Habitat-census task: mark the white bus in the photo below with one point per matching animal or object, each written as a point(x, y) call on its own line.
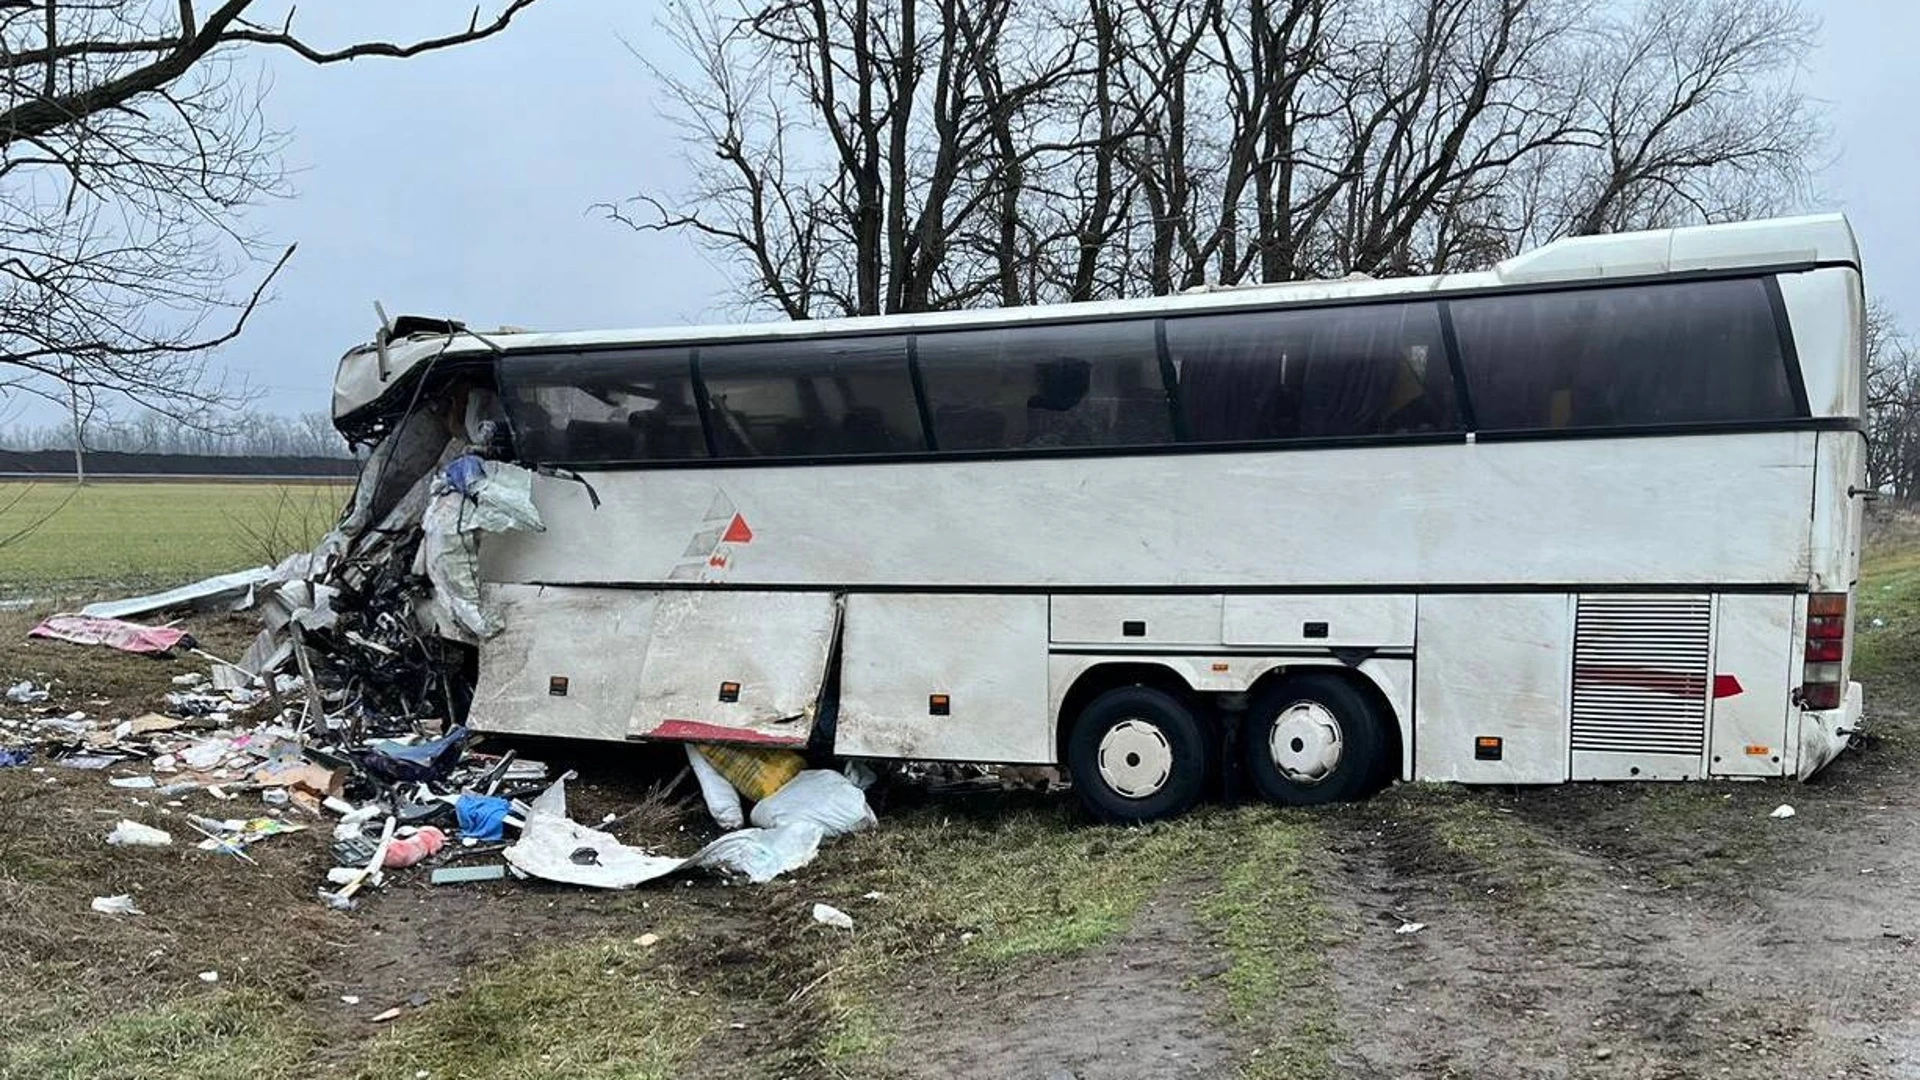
point(1593, 514)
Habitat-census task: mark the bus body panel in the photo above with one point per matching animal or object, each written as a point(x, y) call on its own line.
point(1724, 509)
point(1494, 665)
point(1754, 669)
point(1136, 619)
point(728, 666)
point(1325, 620)
point(985, 655)
point(592, 640)
point(1827, 314)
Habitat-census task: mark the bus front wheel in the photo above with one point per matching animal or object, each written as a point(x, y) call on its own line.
point(1312, 739)
point(1138, 754)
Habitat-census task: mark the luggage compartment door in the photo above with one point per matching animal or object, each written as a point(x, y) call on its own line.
point(734, 667)
point(566, 663)
point(945, 678)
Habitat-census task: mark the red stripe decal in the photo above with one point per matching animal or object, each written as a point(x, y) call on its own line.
point(697, 731)
point(1726, 686)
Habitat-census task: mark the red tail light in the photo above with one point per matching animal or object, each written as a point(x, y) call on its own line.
point(1822, 681)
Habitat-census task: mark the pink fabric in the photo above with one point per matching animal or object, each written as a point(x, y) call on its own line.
point(114, 633)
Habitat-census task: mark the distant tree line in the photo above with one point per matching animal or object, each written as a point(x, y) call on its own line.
point(251, 434)
point(1893, 407)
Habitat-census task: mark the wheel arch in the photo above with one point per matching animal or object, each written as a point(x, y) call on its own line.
point(1102, 677)
point(1367, 681)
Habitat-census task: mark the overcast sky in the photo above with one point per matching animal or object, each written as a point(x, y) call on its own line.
point(459, 183)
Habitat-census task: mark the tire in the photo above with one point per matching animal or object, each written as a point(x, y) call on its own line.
point(1138, 754)
point(1335, 752)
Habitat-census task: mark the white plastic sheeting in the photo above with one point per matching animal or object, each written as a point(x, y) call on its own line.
point(500, 500)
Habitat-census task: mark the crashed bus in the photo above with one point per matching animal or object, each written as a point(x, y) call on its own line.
point(1591, 514)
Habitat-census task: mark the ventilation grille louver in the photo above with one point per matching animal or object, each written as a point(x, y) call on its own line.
point(1642, 666)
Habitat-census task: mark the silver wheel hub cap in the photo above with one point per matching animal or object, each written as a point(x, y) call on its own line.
point(1135, 758)
point(1305, 742)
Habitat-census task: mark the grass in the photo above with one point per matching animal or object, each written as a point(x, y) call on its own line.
point(1268, 917)
point(1889, 593)
point(237, 1034)
point(598, 1010)
point(55, 538)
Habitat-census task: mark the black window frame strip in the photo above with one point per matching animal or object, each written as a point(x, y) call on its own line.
point(925, 408)
point(1170, 383)
point(1463, 414)
point(703, 407)
point(1789, 353)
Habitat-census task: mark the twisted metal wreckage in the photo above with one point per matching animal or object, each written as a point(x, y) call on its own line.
point(377, 629)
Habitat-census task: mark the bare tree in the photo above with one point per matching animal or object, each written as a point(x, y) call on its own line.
point(132, 138)
point(859, 156)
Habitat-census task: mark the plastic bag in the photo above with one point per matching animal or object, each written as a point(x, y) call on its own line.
point(723, 802)
point(820, 796)
point(760, 855)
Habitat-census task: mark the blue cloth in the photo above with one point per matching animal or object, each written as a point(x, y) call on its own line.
point(481, 816)
point(463, 472)
point(9, 758)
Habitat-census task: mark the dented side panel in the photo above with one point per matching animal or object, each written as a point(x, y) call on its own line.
point(567, 663)
point(744, 667)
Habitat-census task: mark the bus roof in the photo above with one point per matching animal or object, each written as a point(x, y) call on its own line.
point(367, 373)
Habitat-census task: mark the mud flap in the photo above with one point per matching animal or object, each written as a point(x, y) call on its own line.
point(735, 667)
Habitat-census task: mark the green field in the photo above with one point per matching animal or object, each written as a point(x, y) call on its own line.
point(58, 541)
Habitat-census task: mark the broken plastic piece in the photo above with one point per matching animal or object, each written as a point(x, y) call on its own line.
point(134, 834)
point(828, 915)
point(116, 905)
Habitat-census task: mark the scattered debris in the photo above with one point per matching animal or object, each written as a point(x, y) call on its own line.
point(1411, 928)
point(116, 905)
point(133, 834)
point(1782, 811)
point(416, 848)
point(209, 976)
point(234, 592)
point(113, 633)
point(828, 915)
point(23, 693)
point(648, 941)
point(454, 875)
point(381, 1018)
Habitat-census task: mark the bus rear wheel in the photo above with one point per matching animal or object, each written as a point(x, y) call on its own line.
point(1138, 754)
point(1313, 739)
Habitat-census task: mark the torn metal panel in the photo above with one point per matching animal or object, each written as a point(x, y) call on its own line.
point(567, 663)
point(741, 667)
point(219, 591)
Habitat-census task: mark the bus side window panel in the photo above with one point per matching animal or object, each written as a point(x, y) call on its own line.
point(1239, 374)
point(812, 398)
point(1369, 372)
point(1078, 385)
point(604, 407)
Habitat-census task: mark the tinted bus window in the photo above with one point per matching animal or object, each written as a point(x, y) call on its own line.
point(1371, 370)
point(608, 406)
point(1086, 384)
point(812, 397)
point(1691, 352)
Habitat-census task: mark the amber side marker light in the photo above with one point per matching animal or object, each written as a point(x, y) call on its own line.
point(1486, 748)
point(729, 691)
point(939, 705)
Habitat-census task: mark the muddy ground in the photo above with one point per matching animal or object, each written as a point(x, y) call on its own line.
point(1593, 930)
